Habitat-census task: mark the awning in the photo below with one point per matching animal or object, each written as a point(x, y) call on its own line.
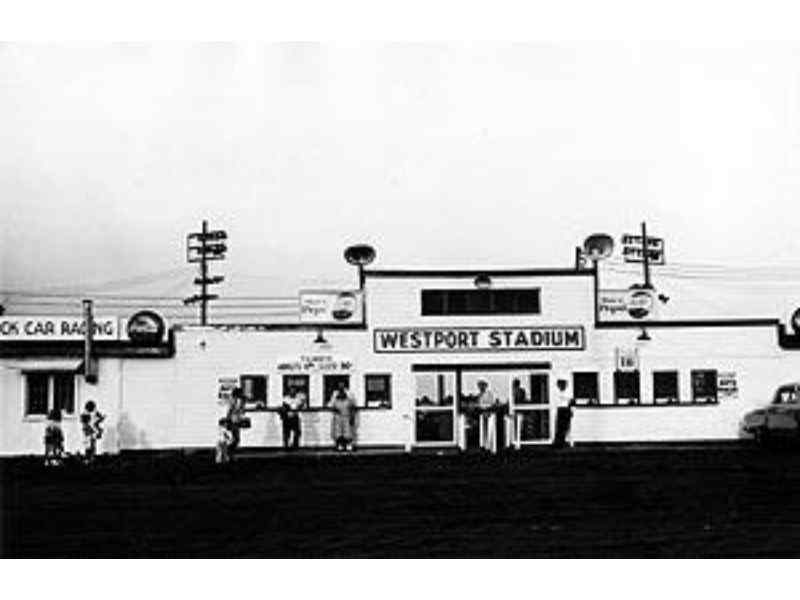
point(73, 365)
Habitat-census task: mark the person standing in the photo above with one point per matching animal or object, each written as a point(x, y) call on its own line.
point(224, 441)
point(290, 418)
point(234, 419)
point(343, 424)
point(91, 424)
point(564, 403)
point(53, 439)
point(487, 411)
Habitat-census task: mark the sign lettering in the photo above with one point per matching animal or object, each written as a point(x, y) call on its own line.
point(37, 328)
point(321, 363)
point(632, 249)
point(327, 307)
point(478, 339)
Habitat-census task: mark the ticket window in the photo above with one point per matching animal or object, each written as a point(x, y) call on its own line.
point(299, 383)
point(586, 388)
point(704, 386)
point(330, 383)
point(665, 387)
point(627, 387)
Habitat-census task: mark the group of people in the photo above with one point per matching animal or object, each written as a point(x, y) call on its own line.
point(343, 423)
point(91, 420)
point(230, 427)
point(491, 409)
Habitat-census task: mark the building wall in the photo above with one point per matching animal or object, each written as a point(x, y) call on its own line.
point(173, 403)
point(751, 352)
point(20, 434)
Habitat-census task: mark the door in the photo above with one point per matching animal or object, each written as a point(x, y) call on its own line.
point(474, 428)
point(531, 410)
point(435, 409)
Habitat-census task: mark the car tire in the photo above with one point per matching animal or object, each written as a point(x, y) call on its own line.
point(762, 436)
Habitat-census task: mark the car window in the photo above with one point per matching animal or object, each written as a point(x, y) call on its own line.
point(785, 395)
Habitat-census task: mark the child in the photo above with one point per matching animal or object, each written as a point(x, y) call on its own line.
point(53, 439)
point(91, 420)
point(224, 442)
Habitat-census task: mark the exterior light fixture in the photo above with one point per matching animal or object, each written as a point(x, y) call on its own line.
point(483, 281)
point(644, 336)
point(360, 256)
point(320, 339)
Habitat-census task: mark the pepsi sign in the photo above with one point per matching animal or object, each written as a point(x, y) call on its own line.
point(146, 327)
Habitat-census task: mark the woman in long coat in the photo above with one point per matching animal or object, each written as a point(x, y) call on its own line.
point(343, 425)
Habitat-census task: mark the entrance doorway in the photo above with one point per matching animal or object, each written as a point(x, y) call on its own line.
point(532, 411)
point(447, 407)
point(435, 409)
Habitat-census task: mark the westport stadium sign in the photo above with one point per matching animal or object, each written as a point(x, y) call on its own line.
point(478, 339)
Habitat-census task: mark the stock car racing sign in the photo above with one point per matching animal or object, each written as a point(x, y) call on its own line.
point(478, 339)
point(42, 328)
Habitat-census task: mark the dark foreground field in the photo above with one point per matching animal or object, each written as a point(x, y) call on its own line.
point(673, 502)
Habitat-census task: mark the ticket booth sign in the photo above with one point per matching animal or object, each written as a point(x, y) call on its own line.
point(315, 363)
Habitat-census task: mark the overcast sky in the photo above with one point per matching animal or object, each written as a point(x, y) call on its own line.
point(451, 154)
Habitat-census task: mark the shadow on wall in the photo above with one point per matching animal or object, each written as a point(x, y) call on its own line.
point(130, 437)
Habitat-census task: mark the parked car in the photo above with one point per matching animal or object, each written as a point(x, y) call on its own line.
point(780, 420)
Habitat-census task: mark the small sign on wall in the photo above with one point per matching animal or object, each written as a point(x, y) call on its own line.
point(226, 387)
point(627, 359)
point(727, 384)
point(323, 307)
point(315, 363)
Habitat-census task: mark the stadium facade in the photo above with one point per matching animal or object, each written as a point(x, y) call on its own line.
point(411, 345)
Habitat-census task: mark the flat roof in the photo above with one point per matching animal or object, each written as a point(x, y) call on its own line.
point(422, 273)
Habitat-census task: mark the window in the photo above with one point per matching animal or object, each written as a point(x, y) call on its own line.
point(378, 391)
point(435, 389)
point(298, 383)
point(586, 390)
point(665, 387)
point(45, 391)
point(434, 419)
point(626, 387)
point(704, 386)
point(254, 392)
point(481, 302)
point(787, 395)
point(330, 383)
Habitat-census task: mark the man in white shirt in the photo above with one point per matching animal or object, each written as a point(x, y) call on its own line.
point(564, 403)
point(290, 417)
point(486, 404)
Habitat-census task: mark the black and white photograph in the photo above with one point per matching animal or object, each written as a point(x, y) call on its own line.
point(348, 298)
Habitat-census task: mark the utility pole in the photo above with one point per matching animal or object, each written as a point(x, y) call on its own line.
point(202, 247)
point(646, 258)
point(89, 366)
